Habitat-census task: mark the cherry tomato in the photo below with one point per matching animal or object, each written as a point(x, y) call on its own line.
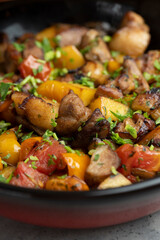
point(138, 156)
point(31, 66)
point(48, 156)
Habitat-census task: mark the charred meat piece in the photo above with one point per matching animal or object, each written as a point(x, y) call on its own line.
point(111, 92)
point(96, 125)
point(141, 124)
point(147, 101)
point(3, 45)
point(12, 58)
point(32, 49)
point(39, 112)
point(72, 36)
point(131, 79)
point(72, 113)
point(155, 114)
point(152, 137)
point(133, 37)
point(66, 78)
point(96, 72)
point(100, 167)
point(133, 19)
point(97, 48)
point(146, 63)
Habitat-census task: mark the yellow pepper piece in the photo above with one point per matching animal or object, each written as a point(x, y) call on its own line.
point(57, 90)
point(106, 105)
point(49, 33)
point(76, 164)
point(1, 164)
point(9, 147)
point(71, 58)
point(113, 66)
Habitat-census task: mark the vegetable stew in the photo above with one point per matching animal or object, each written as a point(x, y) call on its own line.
point(80, 108)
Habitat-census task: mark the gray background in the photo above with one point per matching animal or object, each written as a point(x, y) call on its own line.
point(147, 228)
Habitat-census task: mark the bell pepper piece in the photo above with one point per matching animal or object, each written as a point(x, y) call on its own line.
point(27, 146)
point(71, 58)
point(76, 164)
point(57, 90)
point(9, 147)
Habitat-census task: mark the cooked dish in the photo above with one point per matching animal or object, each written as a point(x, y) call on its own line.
point(79, 108)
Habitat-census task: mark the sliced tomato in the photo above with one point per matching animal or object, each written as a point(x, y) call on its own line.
point(138, 156)
point(26, 176)
point(49, 156)
point(31, 66)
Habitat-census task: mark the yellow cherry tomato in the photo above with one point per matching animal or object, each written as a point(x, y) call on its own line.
point(9, 147)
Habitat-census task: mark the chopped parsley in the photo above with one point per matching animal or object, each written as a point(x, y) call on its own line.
point(107, 38)
point(4, 90)
point(85, 81)
point(157, 64)
point(53, 123)
point(112, 124)
point(116, 138)
point(57, 40)
point(158, 121)
point(132, 131)
point(4, 126)
point(96, 157)
point(122, 117)
point(85, 50)
point(7, 75)
point(58, 72)
point(114, 53)
point(63, 176)
point(151, 148)
point(110, 144)
point(69, 149)
point(51, 159)
point(114, 171)
point(37, 70)
point(33, 158)
point(19, 46)
point(7, 156)
point(136, 84)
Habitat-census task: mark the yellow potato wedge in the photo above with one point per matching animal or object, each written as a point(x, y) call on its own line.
point(106, 105)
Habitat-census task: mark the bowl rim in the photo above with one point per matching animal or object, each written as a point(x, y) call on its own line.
point(32, 192)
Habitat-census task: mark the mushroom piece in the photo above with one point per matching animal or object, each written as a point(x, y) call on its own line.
point(133, 37)
point(141, 124)
point(72, 36)
point(101, 164)
point(96, 126)
point(96, 72)
point(147, 101)
point(131, 78)
point(106, 91)
point(97, 49)
point(114, 181)
point(72, 113)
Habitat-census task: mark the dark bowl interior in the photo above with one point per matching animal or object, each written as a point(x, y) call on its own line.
point(18, 17)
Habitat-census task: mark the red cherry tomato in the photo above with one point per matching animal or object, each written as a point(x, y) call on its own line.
point(26, 176)
point(49, 156)
point(138, 156)
point(31, 66)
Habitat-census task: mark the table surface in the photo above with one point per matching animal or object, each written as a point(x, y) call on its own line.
point(146, 228)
